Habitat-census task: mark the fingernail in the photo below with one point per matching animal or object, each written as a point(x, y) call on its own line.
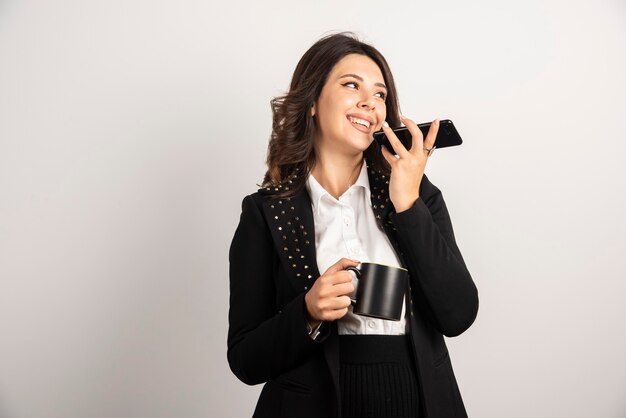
point(401, 117)
point(386, 124)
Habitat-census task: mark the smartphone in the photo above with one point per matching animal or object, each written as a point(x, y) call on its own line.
point(447, 136)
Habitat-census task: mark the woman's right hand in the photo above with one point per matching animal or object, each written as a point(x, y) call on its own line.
point(328, 298)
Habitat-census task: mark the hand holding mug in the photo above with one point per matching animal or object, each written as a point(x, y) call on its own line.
point(328, 299)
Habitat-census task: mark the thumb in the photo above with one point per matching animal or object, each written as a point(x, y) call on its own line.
point(341, 265)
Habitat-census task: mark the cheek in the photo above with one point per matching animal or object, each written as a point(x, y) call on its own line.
point(334, 112)
point(381, 117)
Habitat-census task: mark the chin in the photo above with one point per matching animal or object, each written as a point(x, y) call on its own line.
point(359, 148)
point(363, 144)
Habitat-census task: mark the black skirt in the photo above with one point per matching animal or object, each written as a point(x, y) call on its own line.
point(377, 377)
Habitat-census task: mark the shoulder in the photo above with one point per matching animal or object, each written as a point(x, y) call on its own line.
point(265, 197)
point(264, 194)
point(255, 198)
point(252, 207)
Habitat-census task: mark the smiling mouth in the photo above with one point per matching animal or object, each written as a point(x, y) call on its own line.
point(358, 121)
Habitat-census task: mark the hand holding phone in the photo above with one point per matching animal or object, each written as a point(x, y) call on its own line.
point(447, 136)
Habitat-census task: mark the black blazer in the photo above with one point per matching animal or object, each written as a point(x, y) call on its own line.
point(273, 264)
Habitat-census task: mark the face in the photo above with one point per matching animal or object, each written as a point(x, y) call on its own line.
point(351, 105)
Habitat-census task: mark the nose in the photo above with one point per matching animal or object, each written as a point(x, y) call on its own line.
point(367, 102)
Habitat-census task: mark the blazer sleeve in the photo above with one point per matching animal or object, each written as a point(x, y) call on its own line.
point(440, 281)
point(264, 339)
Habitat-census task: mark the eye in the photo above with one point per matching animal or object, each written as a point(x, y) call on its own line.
point(351, 83)
point(382, 95)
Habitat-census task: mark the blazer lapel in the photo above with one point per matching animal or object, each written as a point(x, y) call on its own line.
point(383, 208)
point(381, 205)
point(293, 233)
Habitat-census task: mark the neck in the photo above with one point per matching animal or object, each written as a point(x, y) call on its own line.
point(337, 173)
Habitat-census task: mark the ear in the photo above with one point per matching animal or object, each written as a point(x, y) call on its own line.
point(313, 110)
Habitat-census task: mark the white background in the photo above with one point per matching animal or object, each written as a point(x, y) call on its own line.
point(131, 130)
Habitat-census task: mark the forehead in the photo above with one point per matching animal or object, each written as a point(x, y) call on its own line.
point(360, 65)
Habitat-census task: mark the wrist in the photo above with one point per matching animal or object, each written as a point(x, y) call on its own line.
point(310, 319)
point(311, 322)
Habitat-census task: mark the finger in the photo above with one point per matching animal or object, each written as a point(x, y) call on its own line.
point(340, 277)
point(395, 142)
point(341, 302)
point(327, 286)
point(337, 314)
point(429, 142)
point(388, 156)
point(342, 312)
point(343, 289)
point(341, 265)
point(417, 137)
point(334, 304)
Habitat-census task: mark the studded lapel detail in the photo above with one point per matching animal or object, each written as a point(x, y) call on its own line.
point(293, 230)
point(381, 205)
point(383, 208)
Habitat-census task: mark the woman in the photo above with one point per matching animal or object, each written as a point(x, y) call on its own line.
point(331, 198)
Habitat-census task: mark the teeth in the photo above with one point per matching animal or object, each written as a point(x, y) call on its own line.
point(360, 122)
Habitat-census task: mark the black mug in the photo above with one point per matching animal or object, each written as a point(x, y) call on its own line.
point(380, 292)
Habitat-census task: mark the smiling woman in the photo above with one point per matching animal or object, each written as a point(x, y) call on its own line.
point(331, 199)
point(291, 153)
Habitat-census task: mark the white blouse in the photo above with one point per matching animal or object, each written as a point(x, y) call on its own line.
point(347, 228)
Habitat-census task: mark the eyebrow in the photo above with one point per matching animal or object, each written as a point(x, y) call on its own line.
point(361, 79)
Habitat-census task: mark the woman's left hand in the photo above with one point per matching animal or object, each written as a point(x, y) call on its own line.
point(407, 169)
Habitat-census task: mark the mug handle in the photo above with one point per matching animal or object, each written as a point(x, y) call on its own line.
point(358, 276)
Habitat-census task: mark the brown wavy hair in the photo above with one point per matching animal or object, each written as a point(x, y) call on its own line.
point(290, 153)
